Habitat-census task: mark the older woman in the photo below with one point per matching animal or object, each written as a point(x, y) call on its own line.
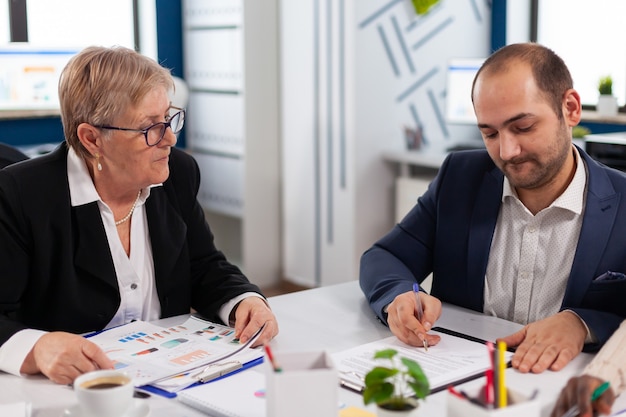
point(106, 229)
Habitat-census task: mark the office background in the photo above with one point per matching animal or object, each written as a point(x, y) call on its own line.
point(293, 103)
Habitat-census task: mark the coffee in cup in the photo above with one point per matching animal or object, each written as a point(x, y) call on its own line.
point(104, 393)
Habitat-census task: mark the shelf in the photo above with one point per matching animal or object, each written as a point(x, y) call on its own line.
point(416, 158)
point(594, 117)
point(28, 114)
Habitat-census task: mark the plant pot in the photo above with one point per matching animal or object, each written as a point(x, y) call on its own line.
point(410, 411)
point(607, 105)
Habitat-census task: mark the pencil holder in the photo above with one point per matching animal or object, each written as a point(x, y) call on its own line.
point(518, 406)
point(305, 386)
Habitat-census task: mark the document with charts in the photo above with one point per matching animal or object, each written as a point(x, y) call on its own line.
point(452, 361)
point(150, 353)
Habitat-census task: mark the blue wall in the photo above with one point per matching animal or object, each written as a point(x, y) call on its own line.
point(170, 50)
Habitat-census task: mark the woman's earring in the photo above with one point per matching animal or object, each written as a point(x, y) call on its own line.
point(99, 165)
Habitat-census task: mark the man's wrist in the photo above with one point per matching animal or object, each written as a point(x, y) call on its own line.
point(589, 336)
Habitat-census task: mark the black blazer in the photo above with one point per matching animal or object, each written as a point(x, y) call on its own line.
point(56, 270)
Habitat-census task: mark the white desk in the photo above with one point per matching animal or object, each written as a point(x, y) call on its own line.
point(332, 318)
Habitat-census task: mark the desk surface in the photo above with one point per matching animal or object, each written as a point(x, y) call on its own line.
point(330, 318)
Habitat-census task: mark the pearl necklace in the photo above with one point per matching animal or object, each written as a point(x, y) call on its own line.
point(130, 213)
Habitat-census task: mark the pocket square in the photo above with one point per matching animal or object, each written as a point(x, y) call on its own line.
point(610, 276)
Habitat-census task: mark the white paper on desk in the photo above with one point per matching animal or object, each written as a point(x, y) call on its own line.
point(241, 395)
point(452, 360)
point(150, 353)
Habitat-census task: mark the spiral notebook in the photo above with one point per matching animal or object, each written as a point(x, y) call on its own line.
point(239, 395)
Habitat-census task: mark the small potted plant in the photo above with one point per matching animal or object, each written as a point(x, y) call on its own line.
point(607, 103)
point(392, 388)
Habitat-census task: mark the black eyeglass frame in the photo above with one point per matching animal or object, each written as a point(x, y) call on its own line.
point(181, 113)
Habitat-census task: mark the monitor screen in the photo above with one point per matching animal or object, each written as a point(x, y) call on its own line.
point(460, 76)
point(29, 76)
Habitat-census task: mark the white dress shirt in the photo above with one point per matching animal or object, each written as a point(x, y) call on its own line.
point(135, 273)
point(531, 255)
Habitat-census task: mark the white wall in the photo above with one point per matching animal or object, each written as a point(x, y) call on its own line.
point(354, 73)
point(517, 21)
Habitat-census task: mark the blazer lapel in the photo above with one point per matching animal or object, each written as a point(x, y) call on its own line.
point(93, 254)
point(598, 218)
point(483, 223)
point(167, 234)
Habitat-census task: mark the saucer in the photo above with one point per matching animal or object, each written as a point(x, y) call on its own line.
point(139, 408)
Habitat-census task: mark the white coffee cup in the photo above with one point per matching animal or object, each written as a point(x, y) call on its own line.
point(104, 393)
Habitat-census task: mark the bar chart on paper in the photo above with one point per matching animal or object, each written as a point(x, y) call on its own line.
point(191, 358)
point(150, 353)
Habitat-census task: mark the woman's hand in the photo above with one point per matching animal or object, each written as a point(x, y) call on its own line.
point(64, 356)
point(250, 315)
point(578, 392)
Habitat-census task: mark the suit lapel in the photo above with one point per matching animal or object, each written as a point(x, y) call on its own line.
point(167, 234)
point(598, 219)
point(483, 223)
point(93, 254)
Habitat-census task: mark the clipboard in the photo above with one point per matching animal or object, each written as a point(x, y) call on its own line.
point(217, 374)
point(351, 376)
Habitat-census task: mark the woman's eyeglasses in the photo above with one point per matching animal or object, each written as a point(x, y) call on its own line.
point(154, 133)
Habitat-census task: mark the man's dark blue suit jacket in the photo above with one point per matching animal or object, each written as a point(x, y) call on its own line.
point(449, 233)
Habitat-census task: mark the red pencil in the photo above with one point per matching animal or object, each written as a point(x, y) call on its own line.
point(454, 392)
point(489, 374)
point(271, 358)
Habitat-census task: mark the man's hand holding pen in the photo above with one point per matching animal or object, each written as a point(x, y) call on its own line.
point(404, 322)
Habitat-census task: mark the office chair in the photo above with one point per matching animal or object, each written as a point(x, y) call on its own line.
point(9, 155)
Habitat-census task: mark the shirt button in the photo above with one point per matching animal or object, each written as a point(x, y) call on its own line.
point(133, 286)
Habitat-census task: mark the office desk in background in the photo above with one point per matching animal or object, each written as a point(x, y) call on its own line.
point(330, 318)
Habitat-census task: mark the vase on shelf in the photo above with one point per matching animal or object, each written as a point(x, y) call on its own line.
point(607, 105)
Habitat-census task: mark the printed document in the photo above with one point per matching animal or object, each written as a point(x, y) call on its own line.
point(150, 353)
point(452, 361)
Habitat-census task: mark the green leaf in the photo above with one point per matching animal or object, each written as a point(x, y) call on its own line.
point(385, 354)
point(423, 6)
point(418, 380)
point(377, 393)
point(378, 375)
point(413, 368)
point(605, 85)
point(420, 387)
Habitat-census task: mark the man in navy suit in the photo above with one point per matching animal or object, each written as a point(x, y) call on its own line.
point(531, 230)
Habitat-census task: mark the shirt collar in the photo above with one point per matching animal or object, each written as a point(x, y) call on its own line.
point(82, 189)
point(571, 199)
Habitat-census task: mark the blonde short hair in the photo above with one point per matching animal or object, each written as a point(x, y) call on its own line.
point(99, 84)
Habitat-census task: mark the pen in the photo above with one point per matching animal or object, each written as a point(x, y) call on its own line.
point(271, 358)
point(463, 395)
point(574, 411)
point(216, 370)
point(420, 311)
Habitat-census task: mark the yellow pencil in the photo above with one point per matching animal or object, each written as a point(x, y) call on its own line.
point(502, 400)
